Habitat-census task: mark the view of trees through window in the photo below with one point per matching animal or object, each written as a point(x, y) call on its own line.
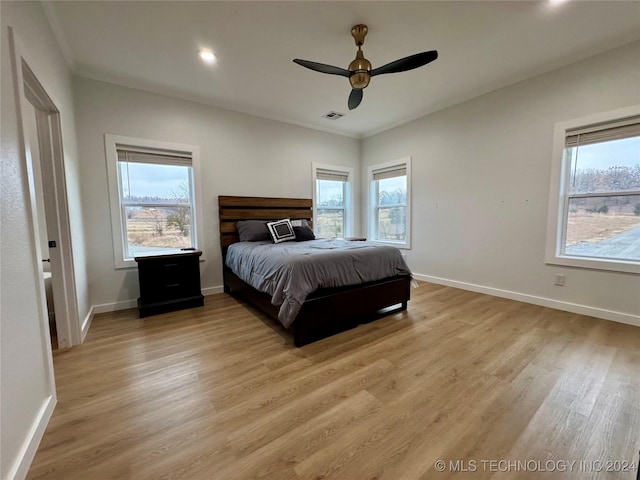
point(392, 209)
point(330, 209)
point(603, 221)
point(157, 207)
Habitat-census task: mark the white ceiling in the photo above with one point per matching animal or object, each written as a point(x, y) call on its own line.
point(482, 46)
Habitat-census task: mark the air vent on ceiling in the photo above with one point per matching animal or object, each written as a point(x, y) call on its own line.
point(333, 115)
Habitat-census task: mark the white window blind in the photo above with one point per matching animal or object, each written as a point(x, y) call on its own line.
point(332, 175)
point(603, 133)
point(138, 155)
point(390, 172)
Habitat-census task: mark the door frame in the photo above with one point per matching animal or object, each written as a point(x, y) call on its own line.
point(29, 88)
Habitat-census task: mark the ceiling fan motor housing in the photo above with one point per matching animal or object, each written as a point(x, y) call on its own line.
point(360, 67)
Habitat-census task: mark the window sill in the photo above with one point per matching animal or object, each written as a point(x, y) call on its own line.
point(129, 264)
point(609, 265)
point(400, 245)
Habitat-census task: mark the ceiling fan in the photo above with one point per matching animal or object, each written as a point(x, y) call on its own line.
point(360, 71)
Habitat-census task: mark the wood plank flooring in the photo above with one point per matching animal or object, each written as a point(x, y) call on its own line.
point(220, 392)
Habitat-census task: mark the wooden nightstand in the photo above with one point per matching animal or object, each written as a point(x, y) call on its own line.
point(169, 282)
point(356, 239)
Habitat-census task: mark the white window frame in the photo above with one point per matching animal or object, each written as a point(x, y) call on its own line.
point(348, 194)
point(372, 216)
point(558, 197)
point(118, 228)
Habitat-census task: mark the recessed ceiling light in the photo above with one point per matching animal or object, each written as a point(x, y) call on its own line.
point(207, 55)
point(556, 2)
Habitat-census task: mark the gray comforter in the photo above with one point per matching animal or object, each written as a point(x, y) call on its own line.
point(290, 271)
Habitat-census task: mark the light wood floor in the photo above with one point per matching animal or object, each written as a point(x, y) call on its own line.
point(220, 392)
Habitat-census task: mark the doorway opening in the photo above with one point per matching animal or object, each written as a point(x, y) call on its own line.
point(42, 232)
point(44, 155)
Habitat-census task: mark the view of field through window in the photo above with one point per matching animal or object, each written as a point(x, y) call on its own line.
point(330, 209)
point(392, 209)
point(156, 203)
point(603, 223)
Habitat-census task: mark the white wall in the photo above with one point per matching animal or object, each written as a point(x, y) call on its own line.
point(240, 155)
point(481, 173)
point(26, 385)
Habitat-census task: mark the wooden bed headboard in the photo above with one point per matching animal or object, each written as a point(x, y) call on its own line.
point(231, 209)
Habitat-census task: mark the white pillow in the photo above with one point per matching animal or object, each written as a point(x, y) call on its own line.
point(281, 231)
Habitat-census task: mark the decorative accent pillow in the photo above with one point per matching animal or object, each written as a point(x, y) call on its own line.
point(281, 231)
point(253, 230)
point(302, 230)
point(303, 234)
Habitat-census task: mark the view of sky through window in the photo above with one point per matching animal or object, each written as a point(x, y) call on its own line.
point(392, 190)
point(330, 193)
point(153, 180)
point(626, 152)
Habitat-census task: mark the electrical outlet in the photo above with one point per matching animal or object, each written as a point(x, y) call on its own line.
point(559, 279)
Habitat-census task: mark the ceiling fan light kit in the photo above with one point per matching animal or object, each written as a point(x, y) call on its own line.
point(360, 71)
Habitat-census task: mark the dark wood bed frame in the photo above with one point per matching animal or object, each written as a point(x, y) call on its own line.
point(326, 311)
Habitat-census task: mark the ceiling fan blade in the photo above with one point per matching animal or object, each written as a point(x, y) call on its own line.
point(322, 68)
point(355, 97)
point(406, 63)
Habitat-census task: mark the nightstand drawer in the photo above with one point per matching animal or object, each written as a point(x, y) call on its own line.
point(165, 274)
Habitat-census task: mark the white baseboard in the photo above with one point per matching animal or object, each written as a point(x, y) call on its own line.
point(30, 447)
point(115, 306)
point(612, 315)
point(125, 304)
point(86, 324)
point(212, 290)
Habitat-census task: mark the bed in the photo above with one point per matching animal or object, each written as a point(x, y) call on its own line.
point(325, 311)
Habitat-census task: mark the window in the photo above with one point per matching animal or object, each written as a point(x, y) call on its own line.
point(152, 197)
point(332, 201)
point(597, 212)
point(390, 213)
